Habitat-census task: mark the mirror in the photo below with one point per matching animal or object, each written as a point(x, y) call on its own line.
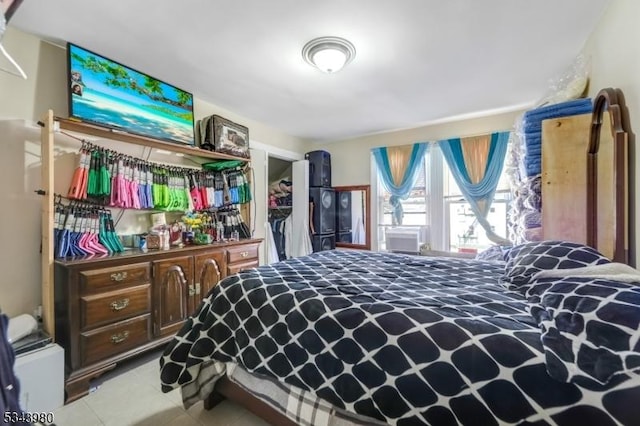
point(607, 177)
point(353, 217)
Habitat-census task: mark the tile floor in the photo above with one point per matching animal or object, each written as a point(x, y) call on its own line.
point(131, 395)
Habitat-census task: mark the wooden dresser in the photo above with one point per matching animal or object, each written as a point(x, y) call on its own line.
point(111, 308)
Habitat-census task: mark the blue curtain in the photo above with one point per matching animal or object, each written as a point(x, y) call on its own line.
point(413, 167)
point(479, 195)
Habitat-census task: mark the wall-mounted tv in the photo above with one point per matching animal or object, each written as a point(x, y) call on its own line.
point(104, 92)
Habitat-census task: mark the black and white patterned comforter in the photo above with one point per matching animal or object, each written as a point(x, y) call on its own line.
point(403, 339)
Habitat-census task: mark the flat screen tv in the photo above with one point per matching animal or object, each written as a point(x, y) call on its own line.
point(104, 92)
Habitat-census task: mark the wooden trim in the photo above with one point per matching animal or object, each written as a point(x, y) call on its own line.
point(564, 178)
point(46, 140)
point(611, 101)
point(77, 383)
point(367, 216)
point(134, 255)
point(226, 388)
point(107, 133)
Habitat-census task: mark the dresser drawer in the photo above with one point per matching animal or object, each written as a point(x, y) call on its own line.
point(111, 278)
point(235, 268)
point(114, 339)
point(105, 308)
point(242, 253)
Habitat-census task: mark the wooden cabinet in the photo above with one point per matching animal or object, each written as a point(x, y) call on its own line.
point(118, 272)
point(209, 270)
point(103, 310)
point(240, 258)
point(112, 308)
point(172, 279)
point(114, 339)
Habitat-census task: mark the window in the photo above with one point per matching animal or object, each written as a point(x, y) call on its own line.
point(415, 212)
point(437, 210)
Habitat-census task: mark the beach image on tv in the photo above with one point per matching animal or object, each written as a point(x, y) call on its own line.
point(107, 93)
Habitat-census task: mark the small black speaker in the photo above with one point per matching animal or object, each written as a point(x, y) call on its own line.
point(343, 211)
point(324, 210)
point(344, 237)
point(323, 242)
point(319, 168)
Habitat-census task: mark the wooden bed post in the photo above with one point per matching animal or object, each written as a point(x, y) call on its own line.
point(608, 100)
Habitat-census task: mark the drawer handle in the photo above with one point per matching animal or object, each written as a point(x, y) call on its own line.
point(244, 254)
point(119, 276)
point(120, 337)
point(119, 305)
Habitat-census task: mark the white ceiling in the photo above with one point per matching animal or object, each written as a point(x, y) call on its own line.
point(417, 61)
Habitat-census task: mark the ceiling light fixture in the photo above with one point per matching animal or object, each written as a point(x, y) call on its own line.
point(328, 54)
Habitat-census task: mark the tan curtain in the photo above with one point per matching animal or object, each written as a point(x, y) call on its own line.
point(475, 151)
point(399, 157)
point(476, 164)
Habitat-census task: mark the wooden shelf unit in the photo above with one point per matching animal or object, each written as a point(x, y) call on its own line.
point(52, 125)
point(103, 132)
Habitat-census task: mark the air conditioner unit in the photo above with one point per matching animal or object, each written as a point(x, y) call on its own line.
point(403, 240)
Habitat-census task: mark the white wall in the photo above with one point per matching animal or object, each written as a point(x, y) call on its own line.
point(23, 103)
point(614, 49)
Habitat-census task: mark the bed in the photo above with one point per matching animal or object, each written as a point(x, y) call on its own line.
point(349, 337)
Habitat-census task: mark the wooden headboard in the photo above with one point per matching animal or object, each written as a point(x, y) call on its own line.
point(585, 196)
point(608, 177)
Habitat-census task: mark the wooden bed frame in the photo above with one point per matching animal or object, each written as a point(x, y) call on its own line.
point(226, 389)
point(608, 201)
point(607, 100)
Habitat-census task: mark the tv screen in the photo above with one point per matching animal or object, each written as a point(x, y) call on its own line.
point(104, 92)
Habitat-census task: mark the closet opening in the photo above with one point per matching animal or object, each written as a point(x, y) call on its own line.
point(287, 225)
point(279, 207)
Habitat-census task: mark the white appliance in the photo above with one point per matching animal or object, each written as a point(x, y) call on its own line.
point(403, 240)
point(21, 326)
point(41, 376)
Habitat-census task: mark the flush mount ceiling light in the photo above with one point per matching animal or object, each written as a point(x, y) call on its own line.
point(328, 54)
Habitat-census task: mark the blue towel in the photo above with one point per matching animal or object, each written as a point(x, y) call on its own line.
point(533, 170)
point(532, 121)
point(533, 165)
point(534, 151)
point(532, 127)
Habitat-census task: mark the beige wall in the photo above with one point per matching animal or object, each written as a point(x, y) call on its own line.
point(23, 103)
point(615, 62)
point(614, 54)
point(350, 159)
point(45, 87)
point(615, 59)
point(45, 65)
